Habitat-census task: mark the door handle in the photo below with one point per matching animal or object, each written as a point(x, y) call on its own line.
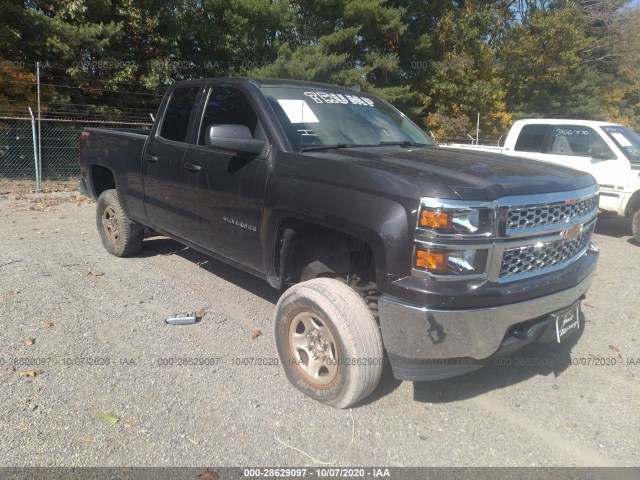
point(192, 167)
point(151, 158)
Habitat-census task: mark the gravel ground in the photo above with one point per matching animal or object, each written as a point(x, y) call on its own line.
point(90, 326)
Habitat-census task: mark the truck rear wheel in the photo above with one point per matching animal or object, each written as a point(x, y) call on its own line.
point(120, 235)
point(328, 342)
point(635, 226)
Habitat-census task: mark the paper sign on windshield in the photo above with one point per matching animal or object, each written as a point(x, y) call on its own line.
point(298, 111)
point(622, 140)
point(324, 97)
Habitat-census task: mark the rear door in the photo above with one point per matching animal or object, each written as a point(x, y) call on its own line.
point(163, 157)
point(223, 191)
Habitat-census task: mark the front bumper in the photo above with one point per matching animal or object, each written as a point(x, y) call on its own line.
point(421, 341)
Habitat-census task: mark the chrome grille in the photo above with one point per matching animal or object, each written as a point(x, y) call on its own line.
point(534, 258)
point(539, 215)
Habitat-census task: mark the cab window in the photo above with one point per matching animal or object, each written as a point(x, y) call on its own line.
point(175, 122)
point(531, 138)
point(229, 106)
point(577, 140)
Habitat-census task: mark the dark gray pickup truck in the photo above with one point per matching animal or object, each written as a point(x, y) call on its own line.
point(387, 248)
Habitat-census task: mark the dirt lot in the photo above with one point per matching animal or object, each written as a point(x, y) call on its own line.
point(90, 327)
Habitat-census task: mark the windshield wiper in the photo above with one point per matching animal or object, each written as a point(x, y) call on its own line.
point(324, 147)
point(403, 143)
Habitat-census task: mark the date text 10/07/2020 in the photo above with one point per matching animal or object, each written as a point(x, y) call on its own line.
point(321, 472)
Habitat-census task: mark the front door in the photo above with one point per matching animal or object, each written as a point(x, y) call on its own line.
point(582, 148)
point(223, 191)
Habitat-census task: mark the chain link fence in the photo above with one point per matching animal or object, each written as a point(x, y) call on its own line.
point(58, 146)
point(17, 159)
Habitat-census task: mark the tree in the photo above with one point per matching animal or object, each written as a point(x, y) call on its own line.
point(623, 95)
point(441, 62)
point(344, 42)
point(465, 81)
point(540, 58)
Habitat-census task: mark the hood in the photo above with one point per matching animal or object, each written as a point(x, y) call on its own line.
point(469, 175)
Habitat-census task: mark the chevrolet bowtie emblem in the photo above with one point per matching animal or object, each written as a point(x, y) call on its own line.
point(573, 231)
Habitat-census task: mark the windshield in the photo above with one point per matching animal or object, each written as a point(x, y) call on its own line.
point(314, 119)
point(627, 140)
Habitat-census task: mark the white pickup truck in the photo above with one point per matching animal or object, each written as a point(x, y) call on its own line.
point(609, 152)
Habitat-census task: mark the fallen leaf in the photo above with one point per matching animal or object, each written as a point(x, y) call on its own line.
point(29, 341)
point(255, 334)
point(572, 425)
point(98, 274)
point(108, 417)
point(132, 422)
point(201, 313)
point(206, 474)
point(48, 324)
point(28, 373)
point(615, 349)
point(86, 438)
point(587, 304)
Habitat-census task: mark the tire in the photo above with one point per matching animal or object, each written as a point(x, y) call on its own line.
point(120, 236)
point(326, 319)
point(635, 225)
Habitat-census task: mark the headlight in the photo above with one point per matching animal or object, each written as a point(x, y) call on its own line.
point(453, 238)
point(451, 262)
point(468, 221)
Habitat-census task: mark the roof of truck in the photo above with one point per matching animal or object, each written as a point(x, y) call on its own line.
point(565, 121)
point(272, 82)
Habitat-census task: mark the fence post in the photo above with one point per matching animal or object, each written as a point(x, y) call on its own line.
point(35, 150)
point(39, 126)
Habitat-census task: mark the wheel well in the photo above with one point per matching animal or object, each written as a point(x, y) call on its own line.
point(308, 251)
point(633, 205)
point(102, 179)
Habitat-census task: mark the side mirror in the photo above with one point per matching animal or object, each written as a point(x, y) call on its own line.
point(604, 156)
point(233, 138)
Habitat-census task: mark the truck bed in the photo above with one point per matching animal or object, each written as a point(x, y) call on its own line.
point(135, 131)
point(119, 150)
point(122, 146)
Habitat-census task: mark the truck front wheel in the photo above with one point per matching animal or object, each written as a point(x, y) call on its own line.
point(328, 342)
point(635, 226)
point(120, 236)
